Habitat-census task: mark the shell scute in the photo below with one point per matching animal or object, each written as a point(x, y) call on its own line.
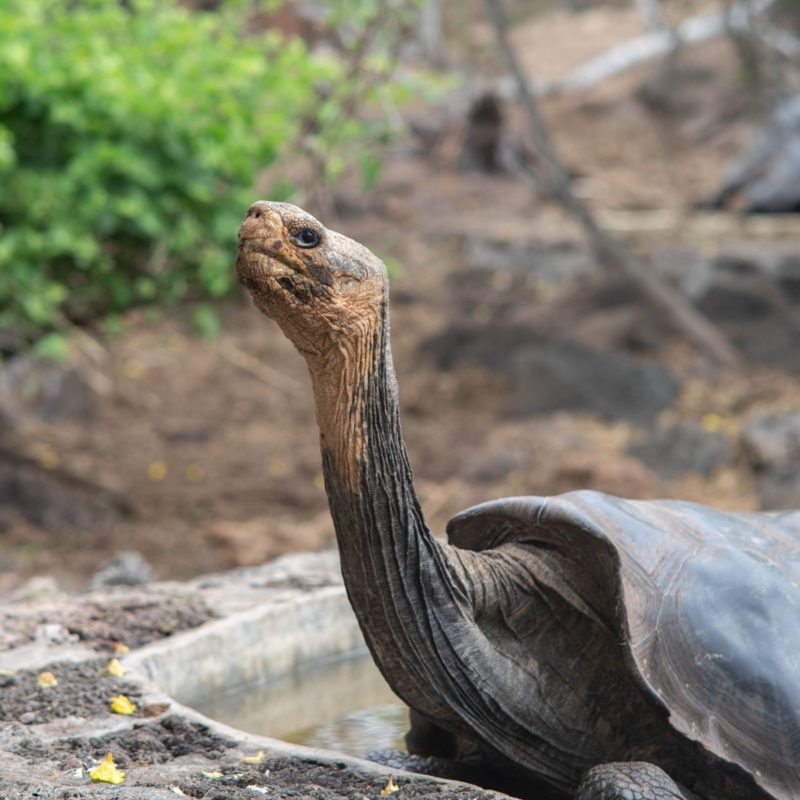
point(708, 604)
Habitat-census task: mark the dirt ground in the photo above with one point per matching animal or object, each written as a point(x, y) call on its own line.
point(57, 722)
point(212, 768)
point(140, 751)
point(522, 369)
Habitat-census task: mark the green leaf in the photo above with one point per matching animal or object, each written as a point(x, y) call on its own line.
point(207, 322)
point(131, 135)
point(53, 346)
point(371, 165)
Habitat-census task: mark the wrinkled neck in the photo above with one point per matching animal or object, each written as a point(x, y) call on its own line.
point(398, 577)
point(365, 462)
point(341, 379)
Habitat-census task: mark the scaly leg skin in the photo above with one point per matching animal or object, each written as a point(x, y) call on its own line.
point(629, 780)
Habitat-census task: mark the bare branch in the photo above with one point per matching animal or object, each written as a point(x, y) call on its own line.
point(553, 177)
point(643, 49)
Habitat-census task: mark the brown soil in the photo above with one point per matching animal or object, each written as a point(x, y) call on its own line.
point(101, 621)
point(82, 689)
point(203, 764)
point(201, 454)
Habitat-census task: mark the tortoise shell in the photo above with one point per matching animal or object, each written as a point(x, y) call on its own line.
point(707, 604)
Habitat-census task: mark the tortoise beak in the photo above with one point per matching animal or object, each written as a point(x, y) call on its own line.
point(261, 223)
point(260, 243)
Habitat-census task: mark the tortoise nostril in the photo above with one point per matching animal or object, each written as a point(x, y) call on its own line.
point(257, 215)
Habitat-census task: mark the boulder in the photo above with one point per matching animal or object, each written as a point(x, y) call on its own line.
point(683, 447)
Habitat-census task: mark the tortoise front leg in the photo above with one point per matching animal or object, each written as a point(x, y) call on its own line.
point(629, 780)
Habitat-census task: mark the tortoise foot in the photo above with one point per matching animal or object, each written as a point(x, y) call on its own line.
point(628, 780)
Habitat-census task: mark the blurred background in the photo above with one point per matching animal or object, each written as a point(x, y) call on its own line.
point(599, 288)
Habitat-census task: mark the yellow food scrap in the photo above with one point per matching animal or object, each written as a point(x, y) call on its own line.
point(46, 680)
point(121, 648)
point(279, 468)
point(122, 705)
point(256, 759)
point(114, 668)
point(195, 473)
point(133, 369)
point(157, 471)
point(214, 774)
point(712, 422)
point(107, 772)
point(390, 788)
point(48, 458)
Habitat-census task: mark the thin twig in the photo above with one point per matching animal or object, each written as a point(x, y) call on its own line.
point(357, 81)
point(256, 368)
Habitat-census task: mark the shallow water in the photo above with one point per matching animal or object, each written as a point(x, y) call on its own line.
point(344, 706)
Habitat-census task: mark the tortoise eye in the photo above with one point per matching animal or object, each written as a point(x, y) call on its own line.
point(306, 237)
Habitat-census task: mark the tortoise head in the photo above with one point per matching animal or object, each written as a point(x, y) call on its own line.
point(319, 286)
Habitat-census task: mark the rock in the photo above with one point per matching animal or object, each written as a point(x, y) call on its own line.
point(35, 588)
point(775, 341)
point(68, 395)
point(53, 633)
point(736, 301)
point(780, 490)
point(566, 376)
point(747, 299)
point(53, 392)
point(733, 288)
point(788, 276)
point(560, 375)
point(772, 442)
point(41, 500)
point(125, 569)
point(750, 292)
point(680, 448)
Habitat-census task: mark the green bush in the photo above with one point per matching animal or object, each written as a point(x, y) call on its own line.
point(130, 137)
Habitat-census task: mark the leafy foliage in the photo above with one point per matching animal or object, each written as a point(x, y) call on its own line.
point(130, 135)
point(370, 33)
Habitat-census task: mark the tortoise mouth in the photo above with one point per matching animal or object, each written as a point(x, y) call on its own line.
point(260, 255)
point(255, 262)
